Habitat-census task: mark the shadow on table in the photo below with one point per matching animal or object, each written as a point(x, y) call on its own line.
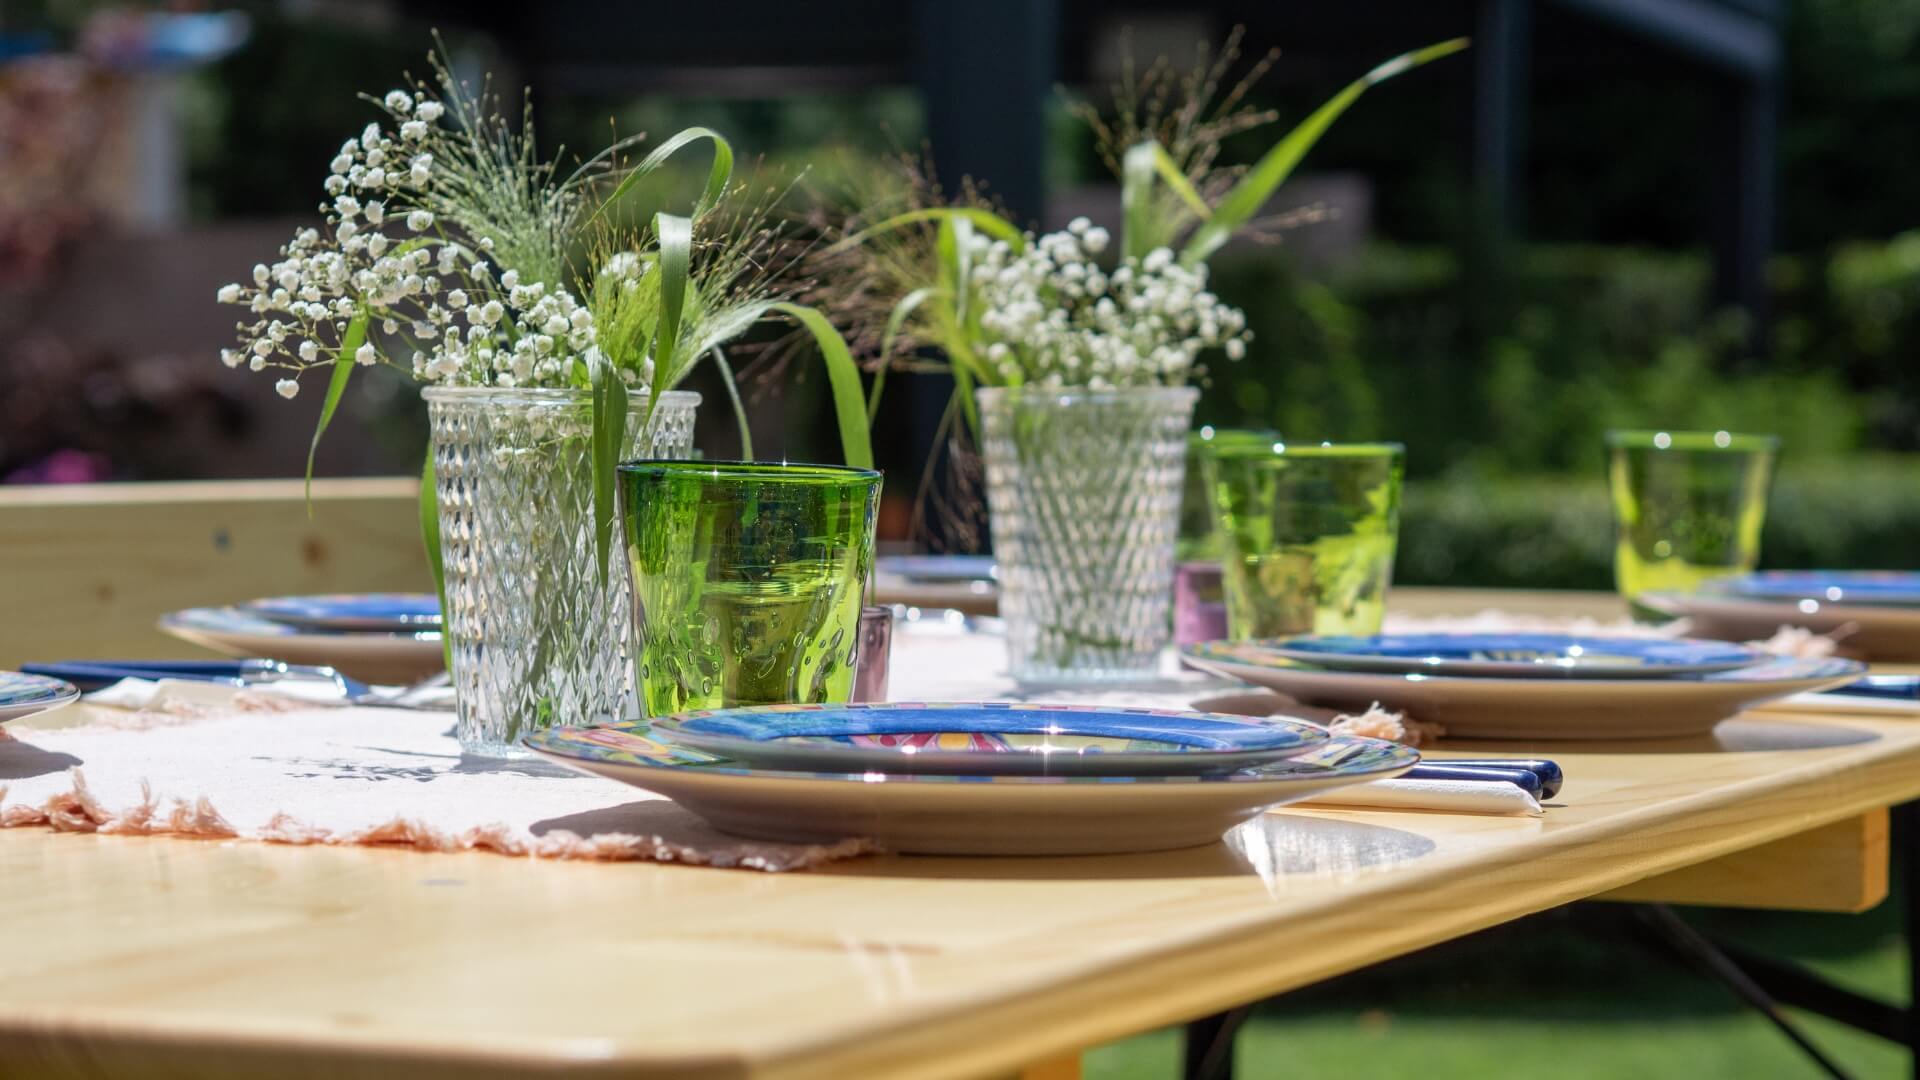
point(1741, 735)
point(1272, 847)
point(22, 760)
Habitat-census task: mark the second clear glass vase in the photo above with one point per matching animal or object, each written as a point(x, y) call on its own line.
point(538, 637)
point(1083, 498)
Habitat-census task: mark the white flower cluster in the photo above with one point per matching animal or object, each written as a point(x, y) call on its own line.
point(376, 261)
point(1053, 317)
point(527, 341)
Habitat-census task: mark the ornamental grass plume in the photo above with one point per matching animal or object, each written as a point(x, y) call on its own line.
point(1007, 307)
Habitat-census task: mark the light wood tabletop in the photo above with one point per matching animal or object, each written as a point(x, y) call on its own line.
point(152, 957)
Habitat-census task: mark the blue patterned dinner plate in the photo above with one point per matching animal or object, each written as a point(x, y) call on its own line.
point(1894, 588)
point(966, 815)
point(954, 569)
point(388, 657)
point(352, 611)
point(1525, 708)
point(1514, 655)
point(990, 738)
point(23, 695)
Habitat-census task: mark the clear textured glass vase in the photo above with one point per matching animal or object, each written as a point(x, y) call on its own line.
point(539, 638)
point(1083, 497)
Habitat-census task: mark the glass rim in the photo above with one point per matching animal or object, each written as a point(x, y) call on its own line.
point(797, 473)
point(1109, 393)
point(1722, 441)
point(555, 394)
point(1280, 448)
point(1209, 435)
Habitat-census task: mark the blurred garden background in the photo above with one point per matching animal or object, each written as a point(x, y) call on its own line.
point(1692, 214)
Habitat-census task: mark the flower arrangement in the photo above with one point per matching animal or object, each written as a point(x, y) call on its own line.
point(1051, 316)
point(1084, 479)
point(547, 321)
point(450, 249)
point(1006, 307)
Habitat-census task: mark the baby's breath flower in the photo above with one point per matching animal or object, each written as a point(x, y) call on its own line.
point(1050, 315)
point(360, 272)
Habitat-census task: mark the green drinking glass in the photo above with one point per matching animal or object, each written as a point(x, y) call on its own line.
point(1687, 506)
point(747, 581)
point(1196, 543)
point(1306, 533)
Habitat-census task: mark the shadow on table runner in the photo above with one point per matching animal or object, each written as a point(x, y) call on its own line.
point(23, 760)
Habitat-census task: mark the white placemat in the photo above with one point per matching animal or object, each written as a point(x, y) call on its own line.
point(264, 768)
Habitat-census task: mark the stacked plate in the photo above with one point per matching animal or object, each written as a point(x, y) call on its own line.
point(387, 638)
point(24, 695)
point(1876, 613)
point(1528, 686)
point(967, 583)
point(976, 779)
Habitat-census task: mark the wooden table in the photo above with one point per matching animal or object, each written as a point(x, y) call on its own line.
point(123, 956)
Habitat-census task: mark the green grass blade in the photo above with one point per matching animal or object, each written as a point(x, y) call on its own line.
point(843, 375)
point(963, 389)
point(1137, 235)
point(733, 398)
point(1176, 180)
point(343, 362)
point(675, 234)
point(602, 468)
point(430, 539)
point(607, 436)
point(956, 260)
point(1145, 225)
point(1251, 193)
point(895, 320)
point(985, 220)
point(719, 175)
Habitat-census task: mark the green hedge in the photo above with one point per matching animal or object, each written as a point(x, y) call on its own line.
point(1550, 532)
point(1520, 367)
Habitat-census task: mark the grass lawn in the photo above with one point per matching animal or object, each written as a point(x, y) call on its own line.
point(1566, 995)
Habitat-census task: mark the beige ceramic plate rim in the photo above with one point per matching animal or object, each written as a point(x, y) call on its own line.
point(1785, 610)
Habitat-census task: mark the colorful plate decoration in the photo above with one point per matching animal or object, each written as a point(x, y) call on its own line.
point(1514, 655)
point(967, 815)
point(352, 611)
point(23, 695)
point(1897, 588)
point(990, 738)
point(1566, 708)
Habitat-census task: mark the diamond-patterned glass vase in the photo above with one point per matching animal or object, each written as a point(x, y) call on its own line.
point(538, 638)
point(1083, 497)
